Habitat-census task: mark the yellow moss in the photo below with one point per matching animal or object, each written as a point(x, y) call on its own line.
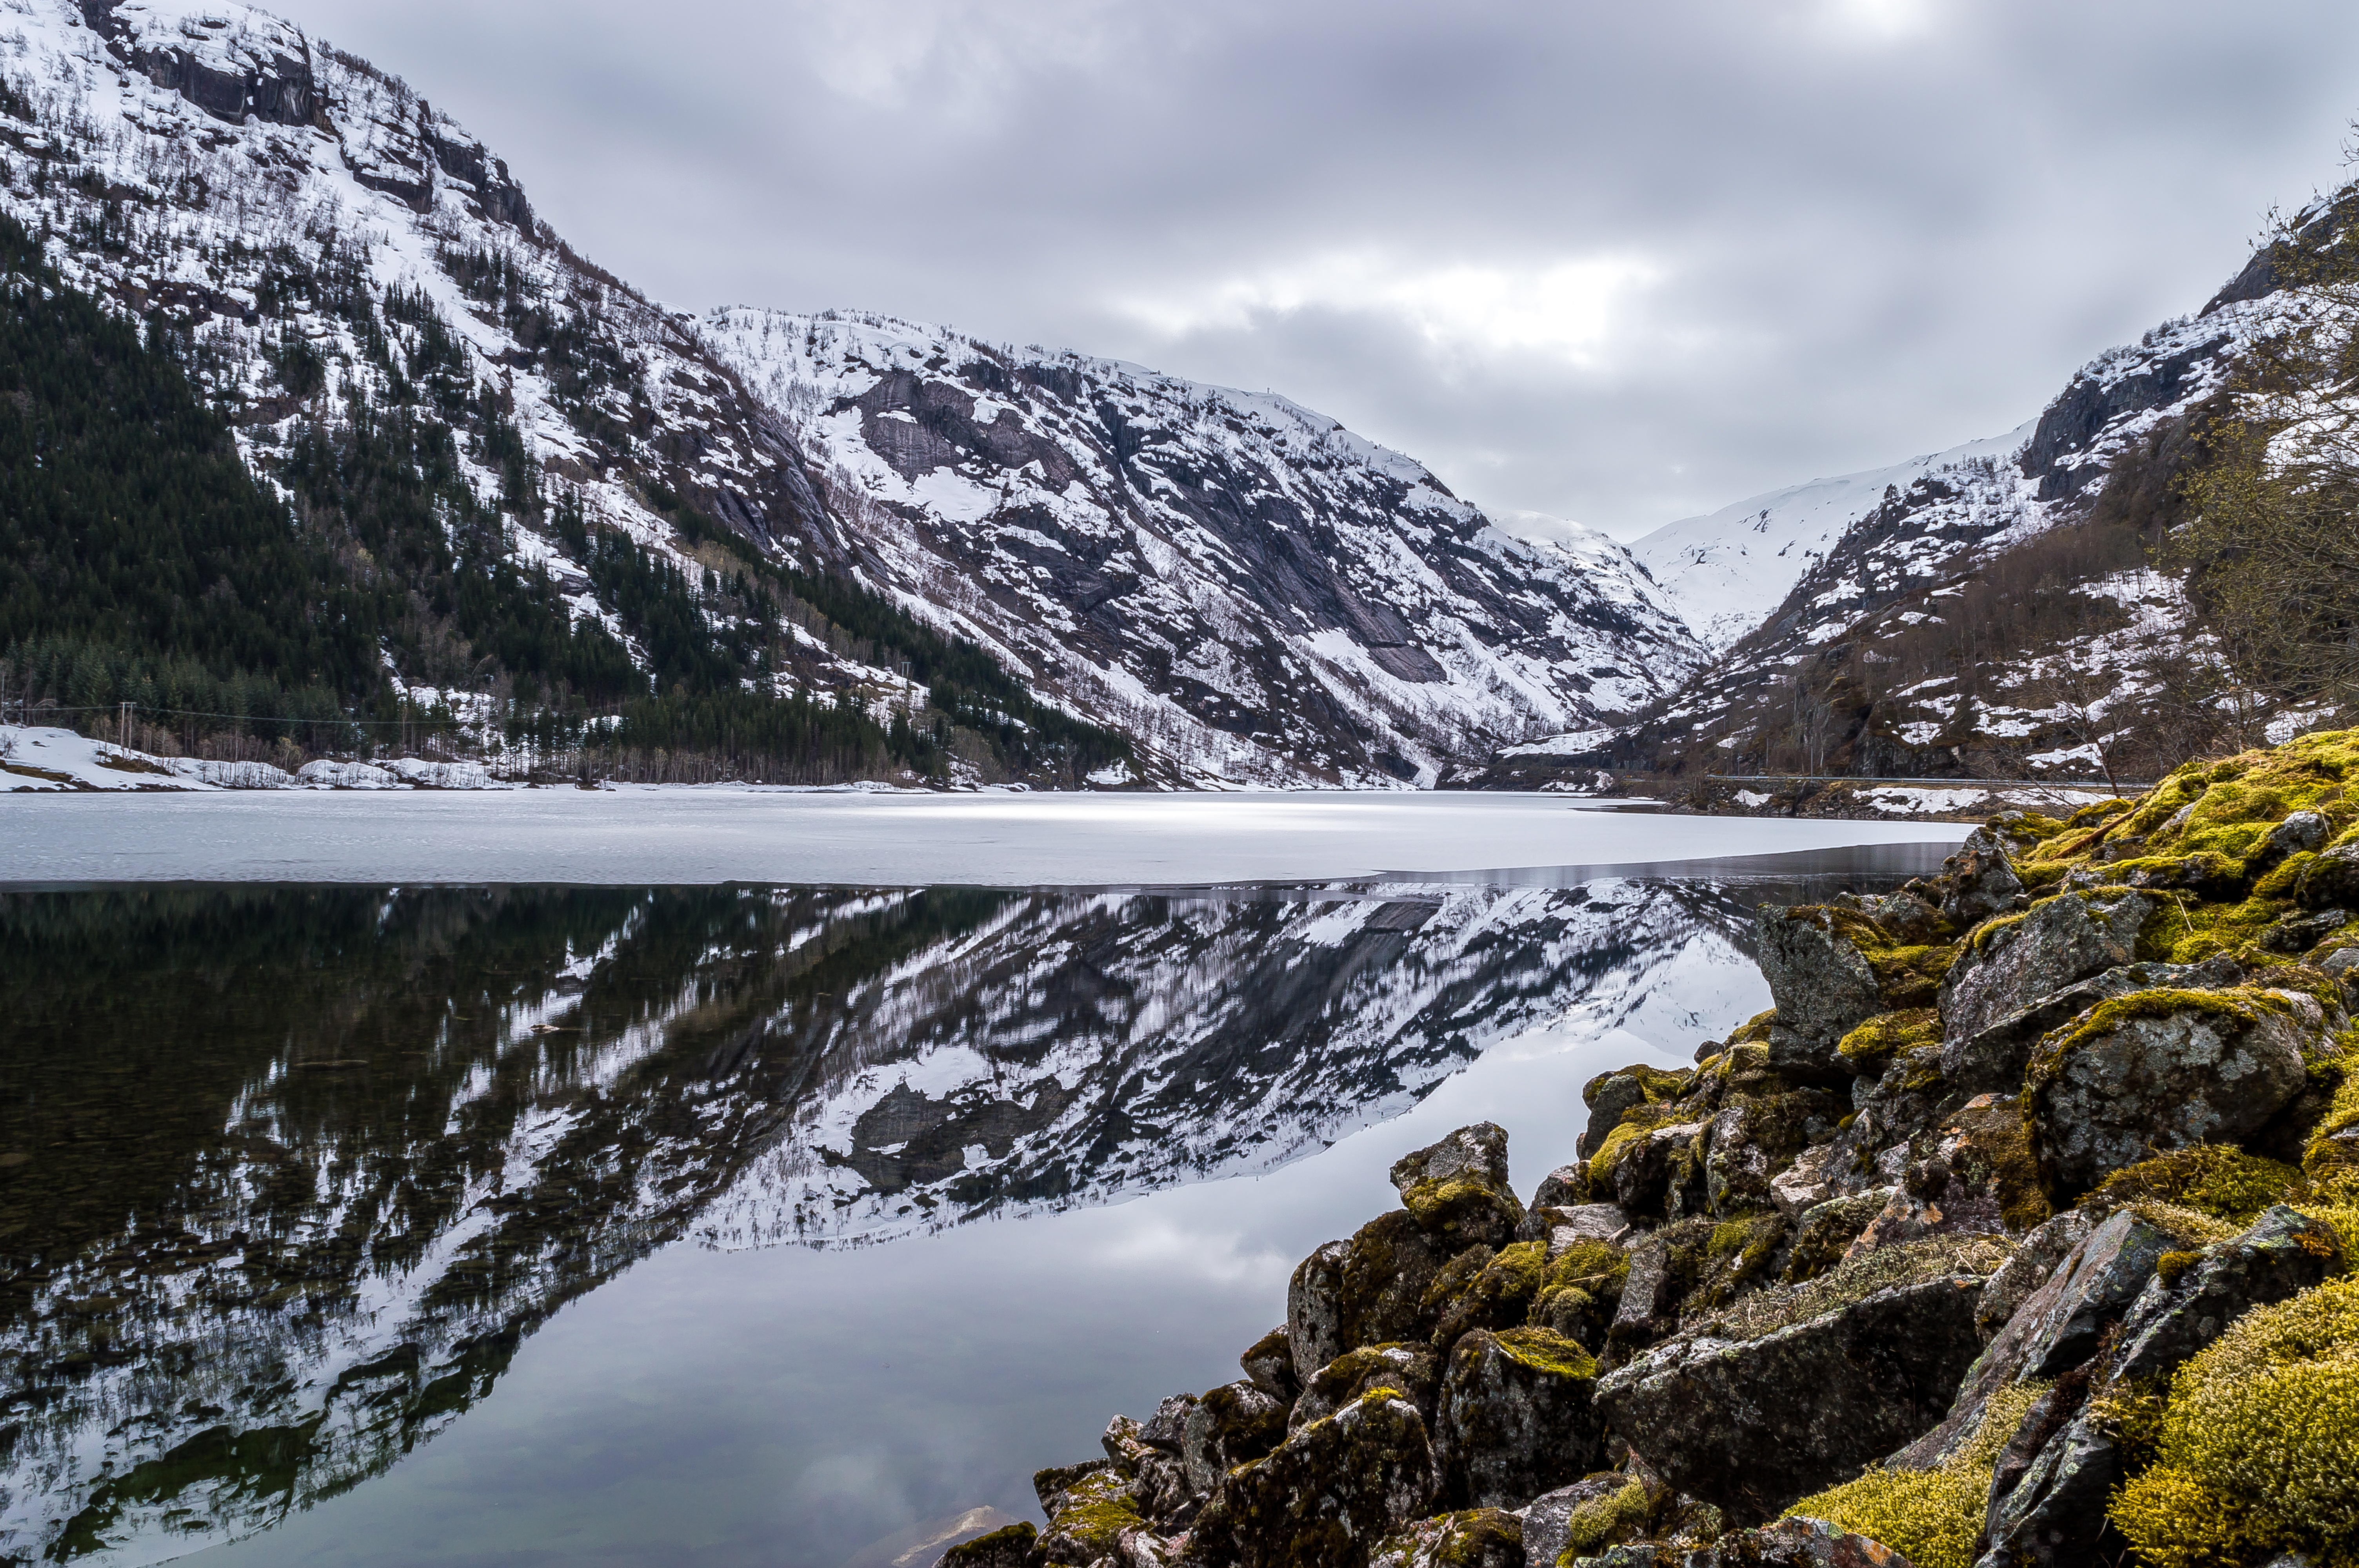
point(1600, 1522)
point(2259, 1448)
point(2100, 811)
point(1548, 1351)
point(2215, 1178)
point(1931, 1517)
point(1097, 1509)
point(2244, 1005)
point(1588, 1259)
point(1890, 1033)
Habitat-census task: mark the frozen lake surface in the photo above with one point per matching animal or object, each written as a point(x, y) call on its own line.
point(703, 837)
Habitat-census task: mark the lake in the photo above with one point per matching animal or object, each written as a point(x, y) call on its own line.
point(751, 1178)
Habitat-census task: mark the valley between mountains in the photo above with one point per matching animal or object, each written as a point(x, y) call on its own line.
point(545, 526)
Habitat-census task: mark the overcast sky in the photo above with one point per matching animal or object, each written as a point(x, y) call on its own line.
point(1617, 262)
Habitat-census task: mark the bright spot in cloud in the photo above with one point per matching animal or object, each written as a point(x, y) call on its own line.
point(1465, 309)
point(1883, 21)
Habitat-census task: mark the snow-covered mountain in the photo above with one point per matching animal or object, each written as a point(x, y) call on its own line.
point(1839, 610)
point(1727, 570)
point(1250, 593)
point(1252, 590)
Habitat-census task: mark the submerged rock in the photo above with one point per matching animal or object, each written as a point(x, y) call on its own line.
point(1517, 1417)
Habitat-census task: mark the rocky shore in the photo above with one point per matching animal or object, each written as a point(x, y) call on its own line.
point(2014, 1233)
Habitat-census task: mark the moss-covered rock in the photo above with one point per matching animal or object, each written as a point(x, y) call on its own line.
point(1370, 1290)
point(1789, 1543)
point(1476, 1538)
point(2008, 964)
point(1795, 1389)
point(1268, 1366)
point(1230, 1425)
point(1585, 1519)
point(1412, 1370)
point(1012, 1546)
point(1933, 1517)
point(2160, 1070)
point(1089, 1518)
point(1517, 1417)
point(2259, 1444)
point(2216, 1179)
point(1457, 1189)
point(1831, 969)
point(1327, 1496)
point(1613, 1096)
point(1499, 1295)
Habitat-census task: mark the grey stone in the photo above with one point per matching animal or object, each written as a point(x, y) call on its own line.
point(1268, 1365)
point(1367, 1290)
point(1979, 881)
point(1414, 1369)
point(2056, 1328)
point(1789, 1543)
point(1808, 1182)
point(1650, 1307)
point(1993, 1057)
point(1516, 1417)
point(2283, 1254)
point(1563, 1187)
point(1329, 1492)
point(2035, 1260)
point(1822, 984)
point(2199, 1074)
point(1163, 1429)
point(1642, 1173)
point(1583, 1222)
point(1478, 1538)
point(1457, 1188)
point(2331, 880)
point(2301, 831)
point(2055, 1516)
point(1230, 1425)
point(1751, 1425)
point(1547, 1517)
point(2060, 940)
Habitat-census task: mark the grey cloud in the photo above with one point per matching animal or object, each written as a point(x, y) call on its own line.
point(1865, 243)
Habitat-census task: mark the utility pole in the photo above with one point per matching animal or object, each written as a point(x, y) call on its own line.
point(123, 733)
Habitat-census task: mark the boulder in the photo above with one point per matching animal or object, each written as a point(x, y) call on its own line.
point(1583, 1222)
point(1164, 1429)
point(1825, 1231)
point(1368, 1291)
point(1651, 1172)
point(1752, 1424)
point(1009, 1547)
point(2034, 1263)
point(2283, 1254)
point(1752, 1138)
point(1808, 1182)
point(1087, 1518)
point(1650, 1307)
point(1457, 1189)
point(1979, 881)
point(1996, 1056)
point(1499, 1295)
point(1789, 1543)
point(2331, 880)
point(1478, 1538)
point(1594, 1511)
point(1414, 1370)
point(2007, 967)
point(1268, 1366)
point(1054, 1482)
point(1230, 1425)
point(2162, 1070)
point(1325, 1496)
point(2302, 832)
point(2054, 1514)
point(1611, 1098)
point(1564, 1187)
point(1822, 984)
point(1517, 1417)
point(2058, 1327)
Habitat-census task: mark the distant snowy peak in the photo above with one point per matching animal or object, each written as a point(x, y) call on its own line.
point(1727, 570)
point(1255, 592)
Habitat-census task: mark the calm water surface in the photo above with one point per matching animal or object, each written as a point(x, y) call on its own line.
point(725, 1225)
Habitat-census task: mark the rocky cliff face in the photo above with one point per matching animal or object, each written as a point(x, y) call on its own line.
point(1254, 589)
point(1997, 1242)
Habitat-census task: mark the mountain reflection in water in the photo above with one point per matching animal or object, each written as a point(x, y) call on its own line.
point(287, 1174)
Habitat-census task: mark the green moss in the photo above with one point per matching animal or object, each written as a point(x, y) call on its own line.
point(2170, 1265)
point(1588, 1260)
point(1012, 1541)
point(1755, 1030)
point(1602, 1521)
point(1098, 1509)
point(1547, 1352)
point(1933, 1518)
point(1889, 1034)
point(2097, 812)
point(2211, 1178)
point(2259, 1446)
